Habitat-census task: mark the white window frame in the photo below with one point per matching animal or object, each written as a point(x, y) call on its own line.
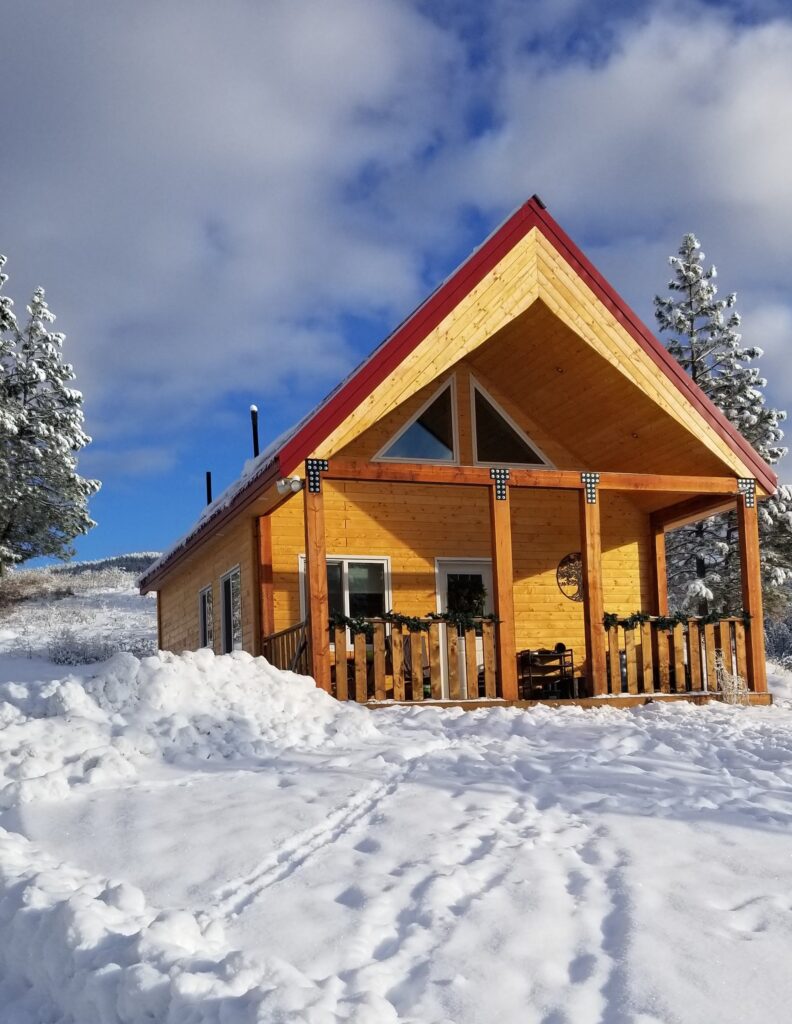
point(345, 559)
point(205, 623)
point(223, 637)
point(449, 384)
point(476, 385)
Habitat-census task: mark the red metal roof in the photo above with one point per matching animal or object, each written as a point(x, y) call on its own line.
point(308, 435)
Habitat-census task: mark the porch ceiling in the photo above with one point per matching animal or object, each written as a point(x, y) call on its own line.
point(600, 416)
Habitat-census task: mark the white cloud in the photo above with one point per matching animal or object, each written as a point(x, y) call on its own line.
point(177, 179)
point(204, 189)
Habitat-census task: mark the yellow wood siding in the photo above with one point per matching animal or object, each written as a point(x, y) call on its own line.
point(178, 596)
point(415, 524)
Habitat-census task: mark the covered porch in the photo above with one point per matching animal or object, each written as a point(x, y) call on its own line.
point(476, 660)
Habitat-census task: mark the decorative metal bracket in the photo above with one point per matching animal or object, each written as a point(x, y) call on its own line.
point(747, 487)
point(590, 483)
point(501, 477)
point(313, 470)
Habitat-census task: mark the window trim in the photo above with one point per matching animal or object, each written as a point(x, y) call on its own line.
point(476, 385)
point(344, 559)
point(203, 620)
point(450, 383)
point(227, 576)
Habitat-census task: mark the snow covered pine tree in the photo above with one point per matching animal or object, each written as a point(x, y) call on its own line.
point(703, 559)
point(43, 501)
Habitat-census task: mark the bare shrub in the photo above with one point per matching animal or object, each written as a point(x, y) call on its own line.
point(67, 648)
point(732, 686)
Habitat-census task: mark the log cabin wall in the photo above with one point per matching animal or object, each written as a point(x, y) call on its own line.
point(178, 596)
point(413, 524)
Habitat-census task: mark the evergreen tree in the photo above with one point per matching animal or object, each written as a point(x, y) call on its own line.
point(43, 501)
point(703, 559)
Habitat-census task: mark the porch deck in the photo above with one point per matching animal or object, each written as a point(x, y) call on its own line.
point(396, 661)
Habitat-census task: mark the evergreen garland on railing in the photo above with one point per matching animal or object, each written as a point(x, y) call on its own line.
point(413, 624)
point(664, 622)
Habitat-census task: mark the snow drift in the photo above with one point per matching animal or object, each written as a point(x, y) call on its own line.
point(179, 708)
point(205, 840)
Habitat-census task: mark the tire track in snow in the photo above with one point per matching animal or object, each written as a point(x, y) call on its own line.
point(236, 896)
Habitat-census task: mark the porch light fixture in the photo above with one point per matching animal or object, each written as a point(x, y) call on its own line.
point(289, 483)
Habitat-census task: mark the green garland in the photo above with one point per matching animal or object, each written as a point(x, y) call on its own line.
point(413, 624)
point(663, 622)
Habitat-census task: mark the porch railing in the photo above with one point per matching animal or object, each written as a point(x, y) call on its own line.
point(431, 660)
point(436, 661)
point(288, 649)
point(651, 658)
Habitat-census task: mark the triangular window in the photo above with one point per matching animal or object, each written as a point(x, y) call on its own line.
point(430, 436)
point(497, 439)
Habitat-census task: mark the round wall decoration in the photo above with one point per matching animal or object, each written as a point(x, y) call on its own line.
point(569, 576)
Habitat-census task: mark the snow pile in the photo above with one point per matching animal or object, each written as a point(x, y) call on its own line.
point(74, 731)
point(779, 682)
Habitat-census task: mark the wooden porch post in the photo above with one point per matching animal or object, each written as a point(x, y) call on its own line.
point(316, 575)
point(659, 572)
point(748, 525)
point(266, 589)
point(593, 610)
point(503, 580)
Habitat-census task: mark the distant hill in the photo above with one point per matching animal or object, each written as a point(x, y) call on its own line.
point(78, 612)
point(136, 562)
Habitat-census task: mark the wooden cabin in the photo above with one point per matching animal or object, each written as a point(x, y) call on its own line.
point(477, 511)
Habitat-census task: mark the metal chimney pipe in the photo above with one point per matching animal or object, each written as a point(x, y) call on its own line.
point(208, 487)
point(254, 426)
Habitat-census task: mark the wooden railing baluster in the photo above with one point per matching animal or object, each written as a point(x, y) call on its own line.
point(631, 661)
point(488, 643)
point(663, 667)
point(361, 668)
point(379, 661)
point(435, 661)
point(471, 665)
point(416, 664)
point(647, 661)
point(341, 663)
point(709, 656)
point(452, 650)
point(680, 675)
point(741, 651)
point(726, 644)
point(694, 655)
point(614, 661)
point(397, 656)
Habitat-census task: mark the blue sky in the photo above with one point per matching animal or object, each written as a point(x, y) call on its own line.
point(234, 202)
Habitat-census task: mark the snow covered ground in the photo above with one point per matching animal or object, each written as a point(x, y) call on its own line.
point(204, 839)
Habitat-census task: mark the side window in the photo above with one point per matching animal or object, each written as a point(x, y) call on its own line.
point(206, 617)
point(231, 617)
point(355, 586)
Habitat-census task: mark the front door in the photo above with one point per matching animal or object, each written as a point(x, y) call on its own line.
point(464, 585)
